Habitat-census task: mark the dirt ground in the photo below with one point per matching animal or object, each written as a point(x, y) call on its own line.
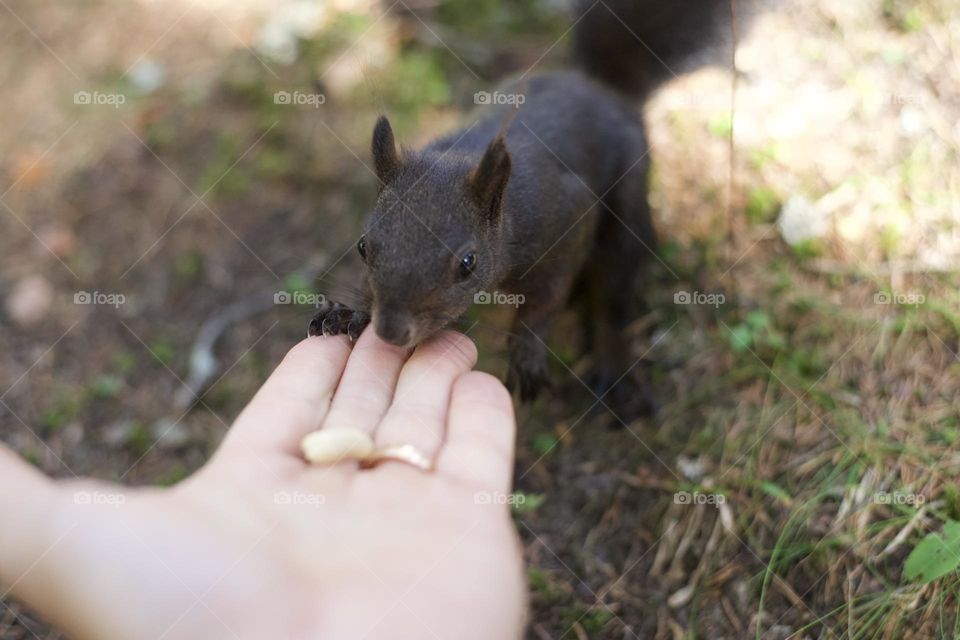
point(804, 330)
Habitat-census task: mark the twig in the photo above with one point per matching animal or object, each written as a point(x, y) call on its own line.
point(203, 363)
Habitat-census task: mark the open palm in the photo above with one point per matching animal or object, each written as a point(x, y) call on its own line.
point(258, 544)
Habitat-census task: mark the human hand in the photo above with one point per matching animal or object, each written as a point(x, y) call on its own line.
point(259, 544)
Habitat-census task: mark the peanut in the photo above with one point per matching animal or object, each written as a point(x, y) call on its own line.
point(329, 446)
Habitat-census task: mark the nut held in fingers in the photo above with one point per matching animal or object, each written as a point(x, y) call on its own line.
point(329, 446)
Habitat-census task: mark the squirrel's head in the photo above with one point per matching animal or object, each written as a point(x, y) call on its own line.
point(432, 242)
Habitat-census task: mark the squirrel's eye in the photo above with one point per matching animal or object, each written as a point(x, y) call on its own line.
point(362, 247)
point(467, 264)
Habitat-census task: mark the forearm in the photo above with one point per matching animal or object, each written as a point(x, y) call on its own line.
point(26, 497)
point(41, 547)
point(68, 553)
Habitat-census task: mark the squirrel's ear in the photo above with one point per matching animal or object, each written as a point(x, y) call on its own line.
point(386, 160)
point(488, 181)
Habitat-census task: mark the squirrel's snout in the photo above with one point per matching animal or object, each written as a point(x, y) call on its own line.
point(397, 329)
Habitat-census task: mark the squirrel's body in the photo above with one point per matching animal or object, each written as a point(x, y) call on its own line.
point(542, 197)
point(575, 206)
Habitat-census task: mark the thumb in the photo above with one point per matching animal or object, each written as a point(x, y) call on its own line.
point(25, 494)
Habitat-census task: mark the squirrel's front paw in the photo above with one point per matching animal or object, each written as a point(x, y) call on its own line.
point(334, 319)
point(529, 372)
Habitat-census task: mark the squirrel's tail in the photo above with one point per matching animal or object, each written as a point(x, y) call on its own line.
point(635, 45)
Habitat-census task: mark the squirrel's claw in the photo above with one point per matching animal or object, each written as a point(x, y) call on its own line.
point(335, 319)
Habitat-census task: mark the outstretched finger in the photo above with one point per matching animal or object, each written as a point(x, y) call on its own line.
point(294, 399)
point(481, 429)
point(418, 414)
point(366, 386)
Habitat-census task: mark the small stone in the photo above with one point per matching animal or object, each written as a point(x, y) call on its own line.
point(913, 122)
point(117, 434)
point(147, 76)
point(277, 43)
point(58, 239)
point(279, 38)
point(72, 435)
point(30, 300)
point(726, 517)
point(170, 434)
point(691, 468)
point(680, 597)
point(802, 220)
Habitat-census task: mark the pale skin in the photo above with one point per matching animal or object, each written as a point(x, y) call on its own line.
point(259, 544)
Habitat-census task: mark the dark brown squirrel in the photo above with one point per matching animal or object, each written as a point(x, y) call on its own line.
point(543, 202)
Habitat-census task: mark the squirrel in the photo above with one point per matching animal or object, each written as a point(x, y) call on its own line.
point(545, 199)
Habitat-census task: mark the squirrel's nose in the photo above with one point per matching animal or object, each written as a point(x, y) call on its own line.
point(395, 328)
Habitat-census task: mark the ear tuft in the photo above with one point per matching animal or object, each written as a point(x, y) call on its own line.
point(386, 160)
point(489, 180)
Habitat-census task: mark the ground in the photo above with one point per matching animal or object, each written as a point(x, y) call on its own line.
point(804, 327)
